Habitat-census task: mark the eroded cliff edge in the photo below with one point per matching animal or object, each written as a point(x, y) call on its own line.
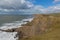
point(40, 25)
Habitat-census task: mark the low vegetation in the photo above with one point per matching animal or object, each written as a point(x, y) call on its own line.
point(50, 22)
point(42, 27)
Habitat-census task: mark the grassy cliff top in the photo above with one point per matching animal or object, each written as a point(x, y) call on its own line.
point(49, 25)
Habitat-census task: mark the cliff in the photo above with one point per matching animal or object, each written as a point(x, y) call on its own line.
point(42, 27)
point(51, 29)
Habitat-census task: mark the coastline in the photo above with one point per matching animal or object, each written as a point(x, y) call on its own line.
point(36, 29)
point(16, 24)
point(9, 30)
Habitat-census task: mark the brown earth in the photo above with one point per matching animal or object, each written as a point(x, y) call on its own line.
point(39, 25)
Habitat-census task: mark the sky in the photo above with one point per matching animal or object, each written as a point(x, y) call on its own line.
point(29, 6)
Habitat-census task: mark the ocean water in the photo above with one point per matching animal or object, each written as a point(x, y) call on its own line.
point(12, 21)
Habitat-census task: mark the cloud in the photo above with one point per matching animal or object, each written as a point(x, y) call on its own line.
point(50, 9)
point(18, 6)
point(35, 9)
point(24, 6)
point(55, 1)
point(53, 9)
point(15, 4)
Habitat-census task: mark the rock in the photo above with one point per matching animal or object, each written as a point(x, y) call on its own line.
point(9, 30)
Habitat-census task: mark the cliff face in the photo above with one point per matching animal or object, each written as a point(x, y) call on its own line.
point(40, 25)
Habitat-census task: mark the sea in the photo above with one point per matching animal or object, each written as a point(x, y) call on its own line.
point(12, 21)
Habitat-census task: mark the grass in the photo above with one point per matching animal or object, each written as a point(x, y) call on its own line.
point(52, 34)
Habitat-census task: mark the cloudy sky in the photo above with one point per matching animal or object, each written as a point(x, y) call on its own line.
point(29, 6)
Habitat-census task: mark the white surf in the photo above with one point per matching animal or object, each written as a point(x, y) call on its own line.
point(11, 35)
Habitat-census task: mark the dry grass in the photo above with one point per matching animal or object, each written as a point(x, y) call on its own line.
point(53, 33)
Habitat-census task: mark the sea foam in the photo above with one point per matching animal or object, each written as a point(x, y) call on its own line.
point(11, 35)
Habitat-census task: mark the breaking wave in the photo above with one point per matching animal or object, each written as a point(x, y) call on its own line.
point(15, 24)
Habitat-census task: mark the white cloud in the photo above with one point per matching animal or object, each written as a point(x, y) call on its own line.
point(26, 6)
point(50, 9)
point(15, 4)
point(36, 9)
point(7, 10)
point(53, 9)
point(55, 1)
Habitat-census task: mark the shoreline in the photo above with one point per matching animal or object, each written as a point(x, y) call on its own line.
point(18, 24)
point(12, 30)
point(39, 26)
